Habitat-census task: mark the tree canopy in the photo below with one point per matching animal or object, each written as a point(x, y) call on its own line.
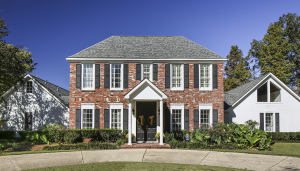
point(15, 62)
point(236, 69)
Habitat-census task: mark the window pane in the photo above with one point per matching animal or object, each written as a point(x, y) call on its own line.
point(88, 76)
point(176, 76)
point(274, 93)
point(204, 118)
point(116, 76)
point(87, 119)
point(29, 87)
point(204, 76)
point(269, 122)
point(262, 93)
point(146, 71)
point(176, 120)
point(115, 118)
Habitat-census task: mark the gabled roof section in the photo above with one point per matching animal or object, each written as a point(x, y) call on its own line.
point(232, 97)
point(147, 47)
point(146, 90)
point(58, 92)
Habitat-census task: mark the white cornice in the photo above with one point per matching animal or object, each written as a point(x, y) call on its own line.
point(138, 60)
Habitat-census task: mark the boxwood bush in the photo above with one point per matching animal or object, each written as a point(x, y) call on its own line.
point(6, 134)
point(288, 137)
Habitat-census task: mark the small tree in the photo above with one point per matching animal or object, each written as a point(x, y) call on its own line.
point(252, 124)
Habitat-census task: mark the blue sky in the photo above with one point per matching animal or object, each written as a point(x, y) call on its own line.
point(54, 30)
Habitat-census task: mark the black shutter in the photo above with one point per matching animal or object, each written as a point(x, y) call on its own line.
point(155, 71)
point(125, 75)
point(78, 75)
point(277, 122)
point(167, 75)
point(28, 120)
point(215, 76)
point(186, 119)
point(186, 75)
point(106, 76)
point(138, 72)
point(261, 122)
point(97, 76)
point(196, 118)
point(106, 118)
point(196, 76)
point(78, 119)
point(97, 113)
point(215, 116)
point(125, 119)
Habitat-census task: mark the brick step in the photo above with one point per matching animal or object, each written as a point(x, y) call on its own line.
point(145, 146)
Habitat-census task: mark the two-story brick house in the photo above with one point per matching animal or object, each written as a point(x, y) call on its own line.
point(124, 82)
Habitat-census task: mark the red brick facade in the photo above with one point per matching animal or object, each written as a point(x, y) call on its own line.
point(191, 97)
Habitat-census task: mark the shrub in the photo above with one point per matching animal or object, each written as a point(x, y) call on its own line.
point(6, 134)
point(288, 137)
point(252, 124)
point(71, 137)
point(121, 142)
point(54, 133)
point(22, 134)
point(82, 146)
point(158, 135)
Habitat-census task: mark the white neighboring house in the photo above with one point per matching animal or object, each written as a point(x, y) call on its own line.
point(266, 100)
point(34, 105)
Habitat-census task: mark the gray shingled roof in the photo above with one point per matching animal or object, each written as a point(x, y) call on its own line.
point(232, 96)
point(58, 92)
point(147, 47)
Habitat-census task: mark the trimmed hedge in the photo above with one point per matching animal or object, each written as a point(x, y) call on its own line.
point(6, 134)
point(288, 137)
point(82, 146)
point(22, 134)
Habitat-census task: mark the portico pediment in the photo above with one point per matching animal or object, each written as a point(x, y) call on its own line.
point(145, 90)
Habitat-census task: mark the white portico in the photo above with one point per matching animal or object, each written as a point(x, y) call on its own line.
point(145, 91)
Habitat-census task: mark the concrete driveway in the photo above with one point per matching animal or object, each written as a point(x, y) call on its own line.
point(210, 158)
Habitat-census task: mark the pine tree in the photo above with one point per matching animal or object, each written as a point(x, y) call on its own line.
point(236, 69)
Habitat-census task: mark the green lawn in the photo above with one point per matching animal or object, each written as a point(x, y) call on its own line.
point(135, 166)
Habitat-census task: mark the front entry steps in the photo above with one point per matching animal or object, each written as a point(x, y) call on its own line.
point(145, 146)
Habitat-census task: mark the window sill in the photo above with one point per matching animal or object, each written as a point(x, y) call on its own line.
point(87, 90)
point(269, 103)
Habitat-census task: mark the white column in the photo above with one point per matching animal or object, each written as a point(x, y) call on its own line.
point(161, 110)
point(130, 124)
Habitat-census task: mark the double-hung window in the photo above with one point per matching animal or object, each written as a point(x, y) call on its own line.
point(147, 71)
point(269, 122)
point(29, 87)
point(205, 77)
point(88, 78)
point(116, 76)
point(205, 115)
point(116, 116)
point(176, 77)
point(87, 111)
point(177, 116)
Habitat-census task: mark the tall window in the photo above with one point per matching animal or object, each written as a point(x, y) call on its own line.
point(269, 122)
point(176, 119)
point(87, 119)
point(205, 118)
point(115, 118)
point(205, 76)
point(116, 76)
point(88, 76)
point(29, 87)
point(147, 71)
point(274, 93)
point(28, 120)
point(176, 76)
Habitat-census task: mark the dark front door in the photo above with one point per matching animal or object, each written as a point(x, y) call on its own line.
point(146, 121)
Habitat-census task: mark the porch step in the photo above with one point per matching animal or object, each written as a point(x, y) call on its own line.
point(145, 146)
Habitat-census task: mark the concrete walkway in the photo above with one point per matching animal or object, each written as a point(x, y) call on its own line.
point(210, 158)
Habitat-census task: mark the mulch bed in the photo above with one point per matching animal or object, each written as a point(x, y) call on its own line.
point(29, 147)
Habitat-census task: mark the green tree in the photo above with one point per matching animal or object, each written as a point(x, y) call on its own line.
point(236, 69)
point(279, 51)
point(15, 62)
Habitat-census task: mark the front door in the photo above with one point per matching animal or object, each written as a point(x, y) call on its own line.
point(146, 121)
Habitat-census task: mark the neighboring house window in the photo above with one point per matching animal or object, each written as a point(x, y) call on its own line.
point(29, 87)
point(116, 113)
point(116, 77)
point(268, 93)
point(87, 111)
point(177, 77)
point(147, 70)
point(177, 117)
point(88, 77)
point(205, 77)
point(28, 120)
point(269, 122)
point(205, 115)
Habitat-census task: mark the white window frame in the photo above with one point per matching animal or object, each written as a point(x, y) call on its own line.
point(210, 77)
point(182, 77)
point(269, 92)
point(110, 77)
point(82, 76)
point(206, 107)
point(265, 121)
point(116, 106)
point(88, 106)
point(177, 106)
point(151, 71)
